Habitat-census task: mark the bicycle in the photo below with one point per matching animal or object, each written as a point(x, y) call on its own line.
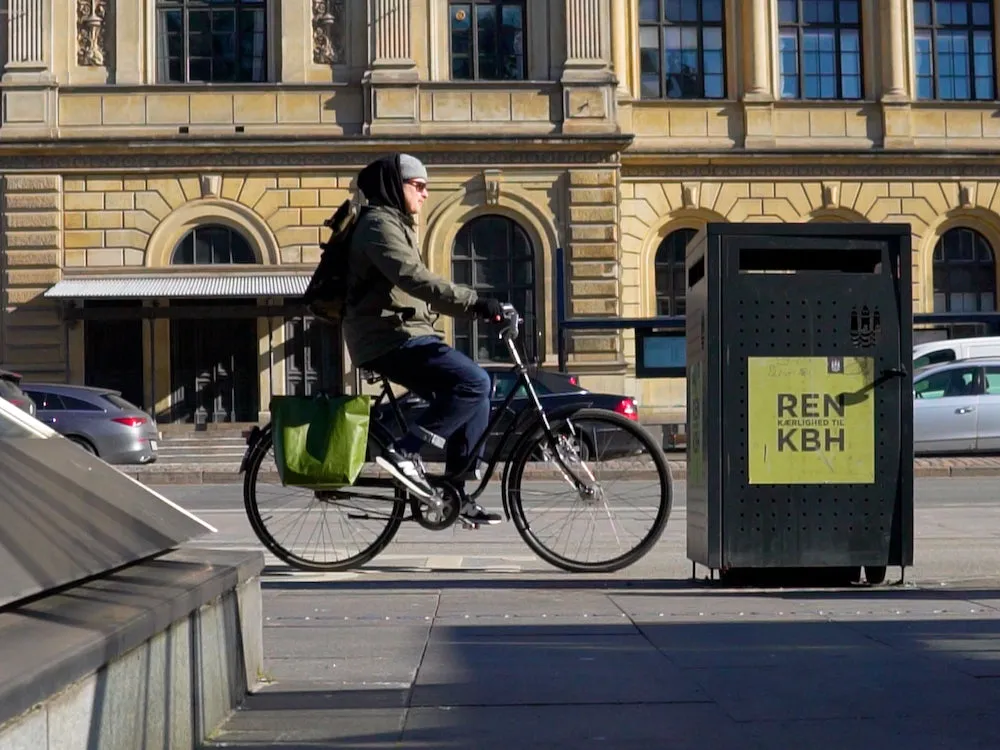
point(565, 440)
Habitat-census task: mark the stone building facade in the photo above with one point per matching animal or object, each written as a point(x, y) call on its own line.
point(167, 166)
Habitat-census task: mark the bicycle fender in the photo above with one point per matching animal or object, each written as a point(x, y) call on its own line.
point(567, 410)
point(253, 439)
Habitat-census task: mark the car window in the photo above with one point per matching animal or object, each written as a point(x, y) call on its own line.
point(119, 402)
point(75, 404)
point(934, 358)
point(992, 378)
point(506, 381)
point(958, 381)
point(46, 401)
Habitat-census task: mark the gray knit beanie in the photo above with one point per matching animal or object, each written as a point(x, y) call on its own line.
point(411, 168)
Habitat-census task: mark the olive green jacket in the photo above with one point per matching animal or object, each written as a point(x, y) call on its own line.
point(392, 296)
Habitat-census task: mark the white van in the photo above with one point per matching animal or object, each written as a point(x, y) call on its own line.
point(948, 350)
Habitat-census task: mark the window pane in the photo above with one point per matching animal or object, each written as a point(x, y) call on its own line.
point(788, 59)
point(788, 11)
point(849, 11)
point(649, 10)
point(981, 13)
point(711, 11)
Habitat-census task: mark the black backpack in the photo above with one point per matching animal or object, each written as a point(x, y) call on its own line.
point(326, 295)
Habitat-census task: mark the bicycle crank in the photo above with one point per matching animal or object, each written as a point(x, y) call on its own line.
point(441, 517)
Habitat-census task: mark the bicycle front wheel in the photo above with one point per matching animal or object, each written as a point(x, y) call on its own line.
point(319, 530)
point(625, 505)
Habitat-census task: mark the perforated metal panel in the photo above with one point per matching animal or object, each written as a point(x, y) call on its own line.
point(831, 292)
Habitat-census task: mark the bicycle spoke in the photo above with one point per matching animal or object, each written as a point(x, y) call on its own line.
point(608, 523)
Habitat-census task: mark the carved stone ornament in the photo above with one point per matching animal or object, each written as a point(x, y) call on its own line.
point(211, 185)
point(831, 194)
point(91, 18)
point(328, 31)
point(492, 179)
point(689, 194)
point(966, 194)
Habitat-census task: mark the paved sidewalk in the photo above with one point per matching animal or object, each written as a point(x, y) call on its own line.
point(228, 473)
point(465, 660)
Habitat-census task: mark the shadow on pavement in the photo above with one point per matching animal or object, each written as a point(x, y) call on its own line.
point(671, 674)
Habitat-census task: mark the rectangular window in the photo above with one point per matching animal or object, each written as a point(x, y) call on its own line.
point(682, 49)
point(487, 40)
point(820, 49)
point(953, 44)
point(211, 41)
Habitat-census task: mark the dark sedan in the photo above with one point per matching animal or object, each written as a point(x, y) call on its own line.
point(10, 389)
point(555, 389)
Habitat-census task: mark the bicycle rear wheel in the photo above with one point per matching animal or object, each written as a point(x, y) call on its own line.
point(616, 454)
point(293, 522)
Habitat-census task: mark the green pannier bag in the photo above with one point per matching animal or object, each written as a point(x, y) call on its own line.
point(320, 442)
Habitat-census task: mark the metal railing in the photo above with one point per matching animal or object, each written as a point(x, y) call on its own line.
point(988, 322)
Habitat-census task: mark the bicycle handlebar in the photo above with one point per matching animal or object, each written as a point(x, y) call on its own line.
point(511, 322)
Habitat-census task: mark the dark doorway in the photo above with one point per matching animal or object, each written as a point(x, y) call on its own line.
point(112, 350)
point(214, 368)
point(312, 357)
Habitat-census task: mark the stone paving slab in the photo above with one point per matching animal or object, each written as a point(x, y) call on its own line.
point(620, 664)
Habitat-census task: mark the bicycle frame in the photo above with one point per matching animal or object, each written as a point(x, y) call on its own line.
point(508, 334)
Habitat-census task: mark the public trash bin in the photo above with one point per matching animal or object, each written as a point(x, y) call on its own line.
point(800, 411)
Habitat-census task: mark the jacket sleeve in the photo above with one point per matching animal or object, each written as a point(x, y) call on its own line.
point(388, 249)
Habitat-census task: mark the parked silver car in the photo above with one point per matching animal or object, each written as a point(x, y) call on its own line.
point(98, 420)
point(956, 407)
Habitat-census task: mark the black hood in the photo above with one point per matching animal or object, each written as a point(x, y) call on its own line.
point(382, 183)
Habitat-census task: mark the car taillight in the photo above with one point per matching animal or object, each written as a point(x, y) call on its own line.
point(573, 380)
point(129, 421)
point(627, 408)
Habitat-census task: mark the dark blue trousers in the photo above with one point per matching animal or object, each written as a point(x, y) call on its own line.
point(456, 389)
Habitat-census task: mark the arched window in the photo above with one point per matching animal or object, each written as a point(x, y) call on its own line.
point(212, 245)
point(494, 256)
point(671, 286)
point(964, 272)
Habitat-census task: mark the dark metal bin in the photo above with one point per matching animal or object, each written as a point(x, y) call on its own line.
point(800, 411)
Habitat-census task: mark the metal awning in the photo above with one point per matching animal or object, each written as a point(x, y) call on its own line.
point(192, 286)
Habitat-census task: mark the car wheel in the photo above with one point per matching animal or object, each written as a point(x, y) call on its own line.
point(83, 443)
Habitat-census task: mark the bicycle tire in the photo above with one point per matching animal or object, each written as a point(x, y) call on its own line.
point(290, 558)
point(519, 463)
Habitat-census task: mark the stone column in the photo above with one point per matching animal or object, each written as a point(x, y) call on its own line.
point(586, 45)
point(128, 43)
point(894, 42)
point(620, 15)
point(28, 90)
point(390, 57)
point(32, 242)
point(29, 28)
point(296, 36)
point(758, 50)
point(897, 119)
point(589, 98)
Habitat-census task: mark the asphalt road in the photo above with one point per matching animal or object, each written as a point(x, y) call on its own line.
point(957, 530)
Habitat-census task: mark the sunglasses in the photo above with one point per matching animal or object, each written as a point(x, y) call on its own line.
point(418, 184)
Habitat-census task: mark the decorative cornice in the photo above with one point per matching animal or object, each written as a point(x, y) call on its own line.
point(328, 32)
point(91, 17)
point(819, 171)
point(217, 160)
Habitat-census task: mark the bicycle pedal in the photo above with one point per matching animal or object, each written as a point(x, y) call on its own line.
point(468, 525)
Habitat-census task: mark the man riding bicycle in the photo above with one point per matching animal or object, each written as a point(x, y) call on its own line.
point(388, 327)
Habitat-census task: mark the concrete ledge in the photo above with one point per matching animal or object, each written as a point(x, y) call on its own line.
point(153, 655)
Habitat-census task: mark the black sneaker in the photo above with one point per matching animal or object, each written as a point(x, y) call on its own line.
point(408, 470)
point(475, 513)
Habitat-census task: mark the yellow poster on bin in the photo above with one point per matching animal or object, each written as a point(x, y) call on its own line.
point(811, 420)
